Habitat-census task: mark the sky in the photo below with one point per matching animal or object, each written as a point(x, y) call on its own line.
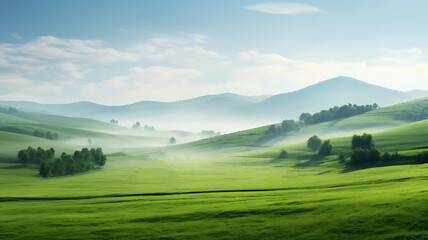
point(121, 52)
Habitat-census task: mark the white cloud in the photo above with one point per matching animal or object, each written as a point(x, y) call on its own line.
point(151, 83)
point(173, 50)
point(15, 35)
point(273, 73)
point(199, 38)
point(70, 57)
point(400, 55)
point(282, 8)
point(168, 69)
point(13, 86)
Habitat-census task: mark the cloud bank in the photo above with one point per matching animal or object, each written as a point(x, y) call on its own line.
point(282, 8)
point(55, 70)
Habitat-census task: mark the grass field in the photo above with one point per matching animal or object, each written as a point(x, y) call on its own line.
point(248, 195)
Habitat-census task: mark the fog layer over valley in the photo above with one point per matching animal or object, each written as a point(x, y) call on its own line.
point(230, 112)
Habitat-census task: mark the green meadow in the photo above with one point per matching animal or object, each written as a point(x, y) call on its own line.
point(232, 186)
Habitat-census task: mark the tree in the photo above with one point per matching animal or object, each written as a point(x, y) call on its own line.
point(45, 168)
point(325, 149)
point(386, 157)
point(49, 135)
point(89, 141)
point(137, 125)
point(31, 154)
point(364, 141)
point(38, 134)
point(283, 154)
point(314, 143)
point(288, 125)
point(422, 157)
point(172, 140)
point(55, 136)
point(375, 106)
point(342, 157)
point(271, 130)
point(58, 168)
point(23, 156)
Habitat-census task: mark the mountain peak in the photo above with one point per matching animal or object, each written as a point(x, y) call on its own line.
point(342, 79)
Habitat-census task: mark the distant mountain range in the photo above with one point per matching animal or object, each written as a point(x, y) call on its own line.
point(231, 110)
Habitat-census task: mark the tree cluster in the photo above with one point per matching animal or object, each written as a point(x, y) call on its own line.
point(210, 133)
point(8, 110)
point(114, 122)
point(80, 161)
point(422, 157)
point(147, 128)
point(336, 113)
point(137, 125)
point(31, 155)
point(47, 135)
point(364, 150)
point(364, 141)
point(286, 126)
point(316, 144)
point(362, 155)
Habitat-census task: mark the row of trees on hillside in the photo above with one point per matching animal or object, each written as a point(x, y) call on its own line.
point(137, 126)
point(210, 133)
point(322, 116)
point(47, 135)
point(286, 126)
point(80, 161)
point(8, 110)
point(336, 113)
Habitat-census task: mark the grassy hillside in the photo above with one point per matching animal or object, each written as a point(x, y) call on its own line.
point(81, 137)
point(11, 143)
point(370, 122)
point(84, 123)
point(7, 118)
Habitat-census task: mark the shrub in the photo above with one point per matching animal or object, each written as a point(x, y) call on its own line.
point(283, 154)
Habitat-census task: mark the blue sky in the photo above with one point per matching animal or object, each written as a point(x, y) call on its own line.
point(66, 51)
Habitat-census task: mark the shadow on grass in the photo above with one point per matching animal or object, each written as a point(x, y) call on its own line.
point(351, 168)
point(311, 161)
point(19, 166)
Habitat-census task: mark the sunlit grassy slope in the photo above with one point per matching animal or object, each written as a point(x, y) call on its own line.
point(74, 131)
point(80, 137)
point(250, 195)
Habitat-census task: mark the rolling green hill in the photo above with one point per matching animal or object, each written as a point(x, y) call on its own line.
point(84, 123)
point(370, 122)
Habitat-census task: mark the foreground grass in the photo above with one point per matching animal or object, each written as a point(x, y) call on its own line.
point(393, 209)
